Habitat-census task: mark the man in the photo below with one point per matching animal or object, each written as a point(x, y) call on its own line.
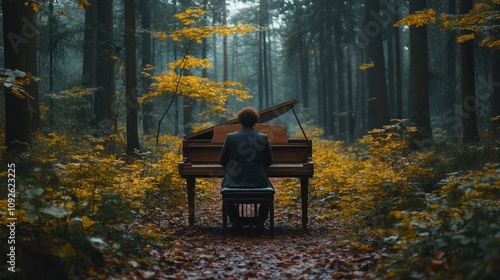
point(244, 155)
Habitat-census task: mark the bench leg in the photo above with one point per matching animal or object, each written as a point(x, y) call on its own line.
point(224, 218)
point(271, 220)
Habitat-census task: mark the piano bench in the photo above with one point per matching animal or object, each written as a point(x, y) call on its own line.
point(247, 201)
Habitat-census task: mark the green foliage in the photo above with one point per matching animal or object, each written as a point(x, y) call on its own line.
point(457, 235)
point(73, 109)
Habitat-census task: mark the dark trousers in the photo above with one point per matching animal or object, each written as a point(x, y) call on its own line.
point(234, 215)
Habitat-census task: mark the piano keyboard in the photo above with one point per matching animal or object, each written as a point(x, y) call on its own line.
point(277, 165)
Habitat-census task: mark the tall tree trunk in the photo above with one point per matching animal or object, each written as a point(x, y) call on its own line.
point(260, 76)
point(265, 63)
point(225, 70)
point(325, 83)
point(51, 22)
point(420, 84)
point(339, 34)
point(105, 71)
point(398, 94)
point(304, 72)
point(469, 101)
point(147, 61)
point(204, 44)
point(318, 56)
point(350, 84)
point(90, 46)
point(131, 78)
point(270, 70)
point(451, 65)
point(19, 35)
point(378, 106)
point(495, 93)
point(30, 62)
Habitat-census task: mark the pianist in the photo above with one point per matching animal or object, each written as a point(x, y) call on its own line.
point(244, 155)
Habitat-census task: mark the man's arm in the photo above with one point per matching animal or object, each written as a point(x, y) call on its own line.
point(268, 153)
point(224, 154)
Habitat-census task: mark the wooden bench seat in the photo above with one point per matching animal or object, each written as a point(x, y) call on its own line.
point(247, 201)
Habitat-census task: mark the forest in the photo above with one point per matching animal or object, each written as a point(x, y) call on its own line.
point(399, 98)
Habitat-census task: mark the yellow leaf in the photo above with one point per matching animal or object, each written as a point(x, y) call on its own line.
point(84, 4)
point(65, 251)
point(87, 222)
point(99, 147)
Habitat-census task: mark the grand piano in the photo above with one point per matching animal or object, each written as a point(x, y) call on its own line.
point(291, 157)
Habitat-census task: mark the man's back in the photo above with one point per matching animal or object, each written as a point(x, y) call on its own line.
point(245, 154)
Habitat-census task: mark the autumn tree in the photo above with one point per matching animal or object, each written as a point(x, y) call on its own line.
point(20, 60)
point(201, 89)
point(475, 19)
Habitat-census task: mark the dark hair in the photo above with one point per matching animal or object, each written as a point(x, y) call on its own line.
point(248, 116)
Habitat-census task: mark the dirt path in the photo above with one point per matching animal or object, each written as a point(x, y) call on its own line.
point(202, 252)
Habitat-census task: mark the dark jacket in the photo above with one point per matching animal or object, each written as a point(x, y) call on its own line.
point(244, 155)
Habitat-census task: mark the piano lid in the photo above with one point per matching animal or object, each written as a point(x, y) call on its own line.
point(265, 116)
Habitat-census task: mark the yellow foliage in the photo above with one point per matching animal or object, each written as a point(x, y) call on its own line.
point(34, 6)
point(481, 19)
point(189, 62)
point(365, 180)
point(366, 66)
point(177, 82)
point(490, 42)
point(84, 4)
point(420, 18)
point(466, 37)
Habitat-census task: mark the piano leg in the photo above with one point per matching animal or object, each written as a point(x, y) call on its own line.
point(191, 182)
point(304, 191)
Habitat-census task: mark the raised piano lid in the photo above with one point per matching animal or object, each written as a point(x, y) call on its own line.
point(265, 116)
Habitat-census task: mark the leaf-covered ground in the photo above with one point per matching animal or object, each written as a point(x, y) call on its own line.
point(203, 252)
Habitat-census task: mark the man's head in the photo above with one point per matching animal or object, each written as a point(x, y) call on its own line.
point(248, 116)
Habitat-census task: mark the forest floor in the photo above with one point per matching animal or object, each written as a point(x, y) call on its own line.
point(203, 252)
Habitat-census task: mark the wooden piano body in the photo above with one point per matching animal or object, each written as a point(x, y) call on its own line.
point(291, 158)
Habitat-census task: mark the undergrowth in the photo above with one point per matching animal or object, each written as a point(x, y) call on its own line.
point(437, 210)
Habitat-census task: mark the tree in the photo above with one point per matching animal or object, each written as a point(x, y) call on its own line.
point(105, 72)
point(263, 85)
point(419, 71)
point(469, 101)
point(21, 103)
point(451, 56)
point(147, 61)
point(298, 50)
point(339, 35)
point(495, 93)
point(90, 45)
point(378, 104)
point(475, 18)
point(131, 78)
point(178, 83)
